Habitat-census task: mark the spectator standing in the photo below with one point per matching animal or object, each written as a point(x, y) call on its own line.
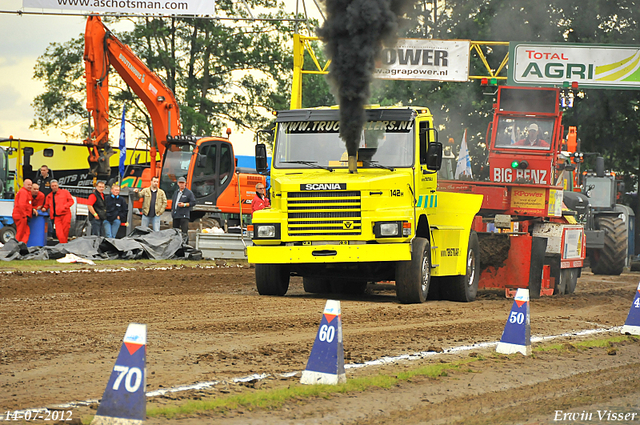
point(22, 211)
point(59, 203)
point(182, 203)
point(37, 201)
point(43, 180)
point(98, 209)
point(260, 201)
point(116, 212)
point(154, 204)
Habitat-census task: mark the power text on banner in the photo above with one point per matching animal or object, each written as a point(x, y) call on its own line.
point(422, 59)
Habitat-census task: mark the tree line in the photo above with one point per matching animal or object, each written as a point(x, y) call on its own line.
point(239, 72)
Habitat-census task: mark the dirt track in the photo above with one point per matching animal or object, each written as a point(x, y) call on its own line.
point(62, 332)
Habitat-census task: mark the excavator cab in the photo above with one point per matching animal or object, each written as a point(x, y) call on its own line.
point(207, 164)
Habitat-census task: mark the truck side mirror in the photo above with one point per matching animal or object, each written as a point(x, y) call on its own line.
point(201, 160)
point(261, 157)
point(434, 156)
point(425, 143)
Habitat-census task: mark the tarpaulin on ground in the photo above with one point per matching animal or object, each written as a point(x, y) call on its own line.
point(140, 244)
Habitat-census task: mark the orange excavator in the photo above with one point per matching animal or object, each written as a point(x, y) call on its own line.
point(207, 163)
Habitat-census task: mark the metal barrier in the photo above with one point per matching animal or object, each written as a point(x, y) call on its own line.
point(222, 246)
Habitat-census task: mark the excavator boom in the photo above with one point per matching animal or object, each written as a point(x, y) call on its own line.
point(103, 50)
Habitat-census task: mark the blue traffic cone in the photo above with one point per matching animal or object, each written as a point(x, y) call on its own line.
point(632, 325)
point(326, 361)
point(124, 400)
point(516, 337)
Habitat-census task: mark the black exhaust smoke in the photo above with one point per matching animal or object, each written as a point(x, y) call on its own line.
point(354, 32)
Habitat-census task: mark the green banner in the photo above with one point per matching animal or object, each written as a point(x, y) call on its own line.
point(561, 64)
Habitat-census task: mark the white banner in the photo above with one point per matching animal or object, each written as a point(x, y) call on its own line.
point(162, 7)
point(590, 65)
point(422, 59)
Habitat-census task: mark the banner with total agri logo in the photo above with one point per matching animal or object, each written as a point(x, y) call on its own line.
point(590, 65)
point(423, 59)
point(162, 7)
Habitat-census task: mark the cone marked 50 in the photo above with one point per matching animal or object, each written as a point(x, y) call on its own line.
point(516, 337)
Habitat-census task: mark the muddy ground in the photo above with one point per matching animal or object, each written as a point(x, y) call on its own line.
point(61, 333)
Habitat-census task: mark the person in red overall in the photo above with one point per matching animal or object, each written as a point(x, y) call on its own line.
point(38, 198)
point(22, 211)
point(260, 201)
point(59, 203)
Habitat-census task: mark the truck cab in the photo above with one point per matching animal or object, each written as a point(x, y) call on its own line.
point(386, 222)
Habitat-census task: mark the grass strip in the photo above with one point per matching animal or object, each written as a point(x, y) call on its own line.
point(275, 398)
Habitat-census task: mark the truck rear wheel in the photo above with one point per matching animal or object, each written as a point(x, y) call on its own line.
point(316, 285)
point(464, 288)
point(413, 277)
point(272, 279)
point(611, 259)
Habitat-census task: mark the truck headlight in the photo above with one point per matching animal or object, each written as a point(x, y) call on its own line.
point(266, 231)
point(389, 229)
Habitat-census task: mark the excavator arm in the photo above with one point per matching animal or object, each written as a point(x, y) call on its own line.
point(103, 50)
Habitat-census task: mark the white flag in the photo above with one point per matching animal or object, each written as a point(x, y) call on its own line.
point(464, 160)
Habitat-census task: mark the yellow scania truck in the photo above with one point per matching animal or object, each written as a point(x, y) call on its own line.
point(385, 222)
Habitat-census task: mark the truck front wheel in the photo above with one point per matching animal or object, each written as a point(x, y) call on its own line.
point(464, 288)
point(413, 277)
point(272, 279)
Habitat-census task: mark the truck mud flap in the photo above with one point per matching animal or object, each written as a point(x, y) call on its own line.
point(538, 248)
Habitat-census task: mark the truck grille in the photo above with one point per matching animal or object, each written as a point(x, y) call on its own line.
point(324, 213)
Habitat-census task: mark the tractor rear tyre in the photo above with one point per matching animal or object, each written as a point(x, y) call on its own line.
point(465, 287)
point(316, 285)
point(413, 276)
point(7, 233)
point(611, 259)
point(272, 279)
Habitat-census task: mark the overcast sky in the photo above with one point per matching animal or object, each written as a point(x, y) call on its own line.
point(25, 37)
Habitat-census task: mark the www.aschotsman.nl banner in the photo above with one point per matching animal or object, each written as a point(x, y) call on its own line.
point(162, 7)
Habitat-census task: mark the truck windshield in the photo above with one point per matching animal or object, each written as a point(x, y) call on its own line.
point(308, 144)
point(175, 165)
point(524, 133)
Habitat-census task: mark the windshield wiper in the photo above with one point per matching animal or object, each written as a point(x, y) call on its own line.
point(376, 164)
point(312, 164)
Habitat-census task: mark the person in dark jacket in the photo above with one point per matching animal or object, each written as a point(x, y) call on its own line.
point(116, 212)
point(98, 209)
point(182, 202)
point(43, 180)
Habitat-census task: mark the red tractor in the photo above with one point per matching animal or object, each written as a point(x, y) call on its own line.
point(526, 240)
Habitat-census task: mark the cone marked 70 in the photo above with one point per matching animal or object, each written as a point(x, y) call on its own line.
point(632, 325)
point(516, 337)
point(124, 400)
point(326, 361)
